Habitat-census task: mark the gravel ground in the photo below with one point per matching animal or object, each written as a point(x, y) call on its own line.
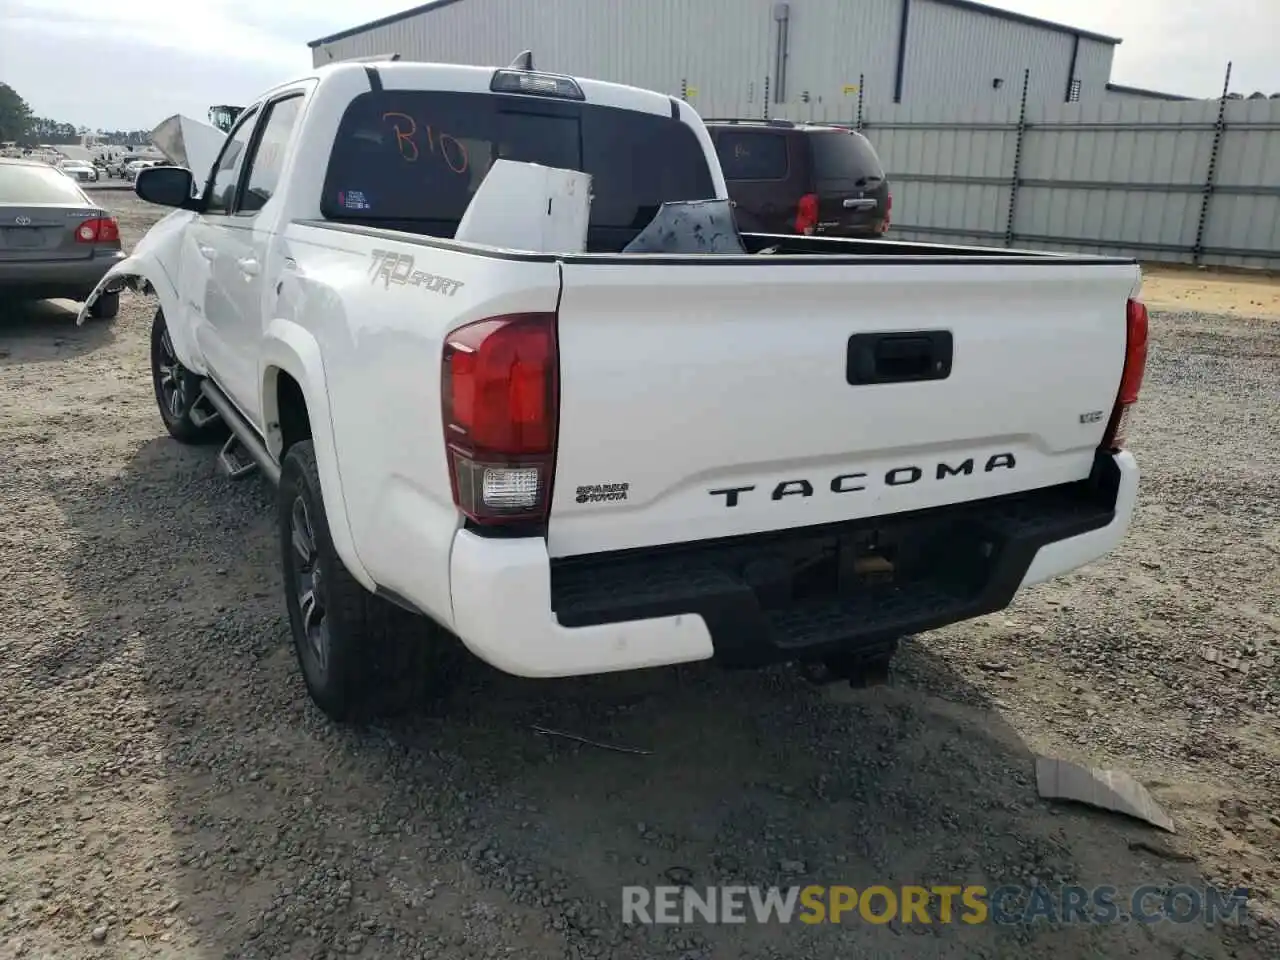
point(166, 789)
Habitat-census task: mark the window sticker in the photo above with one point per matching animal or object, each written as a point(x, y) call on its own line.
point(353, 200)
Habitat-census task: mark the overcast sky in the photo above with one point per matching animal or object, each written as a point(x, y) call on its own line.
point(131, 63)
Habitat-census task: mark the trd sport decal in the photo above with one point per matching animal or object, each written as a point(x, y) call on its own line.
point(599, 492)
point(397, 268)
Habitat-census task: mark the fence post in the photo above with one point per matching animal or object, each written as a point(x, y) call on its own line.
point(862, 79)
point(1206, 196)
point(1017, 160)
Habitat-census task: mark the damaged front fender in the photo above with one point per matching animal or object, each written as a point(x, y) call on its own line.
point(151, 268)
point(129, 272)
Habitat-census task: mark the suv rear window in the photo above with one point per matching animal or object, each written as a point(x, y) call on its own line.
point(414, 159)
point(844, 156)
point(36, 183)
point(752, 155)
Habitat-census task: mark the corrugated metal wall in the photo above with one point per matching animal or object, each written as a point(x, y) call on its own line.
point(1125, 178)
point(723, 51)
point(1128, 96)
point(833, 43)
point(1093, 69)
point(1102, 175)
point(667, 46)
point(1248, 162)
point(954, 57)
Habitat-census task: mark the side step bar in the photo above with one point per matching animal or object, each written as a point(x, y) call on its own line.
point(244, 449)
point(202, 414)
point(234, 459)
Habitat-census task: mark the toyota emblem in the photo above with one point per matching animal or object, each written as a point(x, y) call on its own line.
point(22, 221)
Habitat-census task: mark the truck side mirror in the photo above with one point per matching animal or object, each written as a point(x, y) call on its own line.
point(166, 186)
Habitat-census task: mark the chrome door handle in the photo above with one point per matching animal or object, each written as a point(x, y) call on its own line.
point(248, 266)
point(209, 253)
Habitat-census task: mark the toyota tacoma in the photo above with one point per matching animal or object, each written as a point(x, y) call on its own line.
point(575, 461)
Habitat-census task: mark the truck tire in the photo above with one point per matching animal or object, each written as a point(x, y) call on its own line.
point(177, 390)
point(106, 307)
point(361, 656)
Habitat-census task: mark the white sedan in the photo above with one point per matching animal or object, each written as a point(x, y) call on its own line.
point(81, 172)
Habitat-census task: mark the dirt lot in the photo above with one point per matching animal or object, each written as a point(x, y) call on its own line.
point(1234, 294)
point(166, 790)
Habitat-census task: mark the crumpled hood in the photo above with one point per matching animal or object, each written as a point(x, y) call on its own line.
point(189, 143)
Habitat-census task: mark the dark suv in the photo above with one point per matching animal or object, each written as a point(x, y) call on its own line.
point(807, 178)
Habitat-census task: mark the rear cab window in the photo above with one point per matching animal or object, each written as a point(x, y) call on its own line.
point(36, 183)
point(844, 157)
point(412, 160)
point(752, 155)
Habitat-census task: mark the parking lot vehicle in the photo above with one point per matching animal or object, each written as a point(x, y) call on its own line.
point(586, 461)
point(81, 172)
point(130, 170)
point(115, 167)
point(54, 241)
point(807, 178)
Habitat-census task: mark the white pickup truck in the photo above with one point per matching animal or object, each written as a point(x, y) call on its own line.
point(579, 462)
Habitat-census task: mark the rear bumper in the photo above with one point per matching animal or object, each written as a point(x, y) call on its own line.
point(793, 595)
point(46, 279)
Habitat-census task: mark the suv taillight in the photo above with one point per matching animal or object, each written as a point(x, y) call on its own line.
point(98, 230)
point(888, 210)
point(807, 213)
point(1135, 365)
point(500, 395)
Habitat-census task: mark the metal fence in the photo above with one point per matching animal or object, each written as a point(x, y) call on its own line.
point(1173, 181)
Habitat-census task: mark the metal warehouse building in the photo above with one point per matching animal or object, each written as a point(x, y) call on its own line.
point(727, 56)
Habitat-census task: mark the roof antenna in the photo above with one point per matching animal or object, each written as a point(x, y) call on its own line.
point(522, 62)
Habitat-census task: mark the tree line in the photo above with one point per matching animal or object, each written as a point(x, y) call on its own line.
point(20, 125)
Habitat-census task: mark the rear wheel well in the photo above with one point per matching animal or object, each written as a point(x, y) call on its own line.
point(291, 407)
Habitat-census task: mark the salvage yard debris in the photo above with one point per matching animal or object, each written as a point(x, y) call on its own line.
point(1238, 664)
point(1112, 790)
point(591, 743)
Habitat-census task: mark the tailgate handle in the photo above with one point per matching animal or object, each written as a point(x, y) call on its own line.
point(899, 357)
point(859, 204)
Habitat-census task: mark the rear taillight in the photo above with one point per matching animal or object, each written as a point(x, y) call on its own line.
point(888, 210)
point(1135, 365)
point(807, 213)
point(99, 230)
point(500, 393)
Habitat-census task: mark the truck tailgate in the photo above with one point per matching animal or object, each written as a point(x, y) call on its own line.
point(714, 399)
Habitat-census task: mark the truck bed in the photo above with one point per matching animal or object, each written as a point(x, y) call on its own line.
point(782, 247)
point(792, 245)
